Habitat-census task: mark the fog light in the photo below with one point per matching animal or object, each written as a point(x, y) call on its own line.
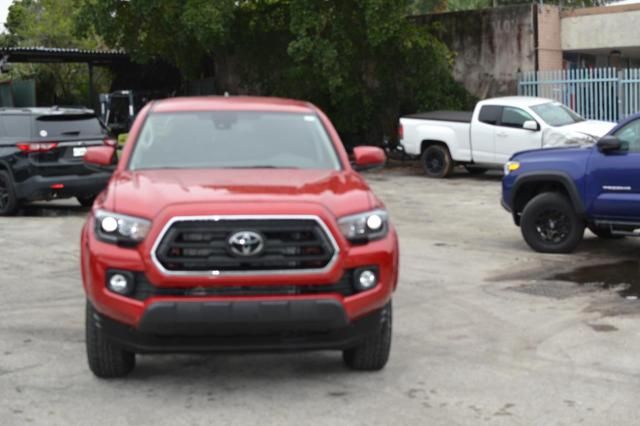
point(119, 284)
point(365, 279)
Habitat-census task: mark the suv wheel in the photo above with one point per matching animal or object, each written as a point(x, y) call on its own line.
point(86, 201)
point(437, 162)
point(105, 359)
point(8, 202)
point(373, 353)
point(549, 224)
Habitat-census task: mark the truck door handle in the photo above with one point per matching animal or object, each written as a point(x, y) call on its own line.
point(501, 134)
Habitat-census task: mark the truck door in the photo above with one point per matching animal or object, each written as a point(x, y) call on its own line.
point(482, 134)
point(510, 137)
point(613, 180)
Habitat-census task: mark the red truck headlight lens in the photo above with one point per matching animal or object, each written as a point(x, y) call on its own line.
point(120, 229)
point(364, 227)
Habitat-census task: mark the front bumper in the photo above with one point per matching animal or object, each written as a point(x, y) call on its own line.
point(241, 326)
point(98, 258)
point(505, 205)
point(40, 187)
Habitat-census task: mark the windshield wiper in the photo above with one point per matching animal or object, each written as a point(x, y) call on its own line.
point(260, 167)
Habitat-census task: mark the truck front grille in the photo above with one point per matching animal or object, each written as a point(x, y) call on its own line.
point(203, 245)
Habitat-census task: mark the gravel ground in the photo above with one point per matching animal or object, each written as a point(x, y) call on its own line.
point(484, 333)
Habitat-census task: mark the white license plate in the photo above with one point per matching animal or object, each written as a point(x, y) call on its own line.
point(79, 152)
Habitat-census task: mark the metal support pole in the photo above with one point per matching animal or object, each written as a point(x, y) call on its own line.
point(622, 101)
point(91, 100)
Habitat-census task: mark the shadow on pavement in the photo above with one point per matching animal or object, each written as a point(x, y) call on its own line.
point(52, 209)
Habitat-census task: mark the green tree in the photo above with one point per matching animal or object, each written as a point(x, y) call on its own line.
point(370, 63)
point(52, 23)
point(420, 7)
point(360, 60)
point(184, 32)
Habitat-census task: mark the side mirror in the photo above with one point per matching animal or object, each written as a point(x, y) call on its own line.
point(609, 143)
point(100, 156)
point(531, 125)
point(368, 157)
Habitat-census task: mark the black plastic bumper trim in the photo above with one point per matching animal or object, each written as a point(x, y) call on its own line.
point(198, 318)
point(276, 330)
point(39, 187)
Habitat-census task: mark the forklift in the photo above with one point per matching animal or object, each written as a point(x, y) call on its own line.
point(118, 109)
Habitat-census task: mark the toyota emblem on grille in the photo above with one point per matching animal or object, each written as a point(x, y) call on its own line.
point(246, 243)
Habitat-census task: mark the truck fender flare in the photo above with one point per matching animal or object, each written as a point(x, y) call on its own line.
point(549, 177)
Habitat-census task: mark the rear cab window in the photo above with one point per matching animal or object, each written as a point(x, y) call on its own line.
point(490, 114)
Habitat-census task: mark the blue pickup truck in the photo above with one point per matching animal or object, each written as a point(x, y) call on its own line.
point(553, 194)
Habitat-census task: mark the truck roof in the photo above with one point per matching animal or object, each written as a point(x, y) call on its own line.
point(53, 110)
point(516, 101)
point(231, 103)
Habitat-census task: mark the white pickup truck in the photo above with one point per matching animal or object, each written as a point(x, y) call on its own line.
point(496, 129)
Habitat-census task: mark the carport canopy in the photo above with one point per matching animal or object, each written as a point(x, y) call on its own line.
point(64, 55)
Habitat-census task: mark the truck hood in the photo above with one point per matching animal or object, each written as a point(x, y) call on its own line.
point(593, 128)
point(554, 159)
point(146, 193)
point(583, 133)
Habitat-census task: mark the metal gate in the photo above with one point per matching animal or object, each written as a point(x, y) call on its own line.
point(594, 93)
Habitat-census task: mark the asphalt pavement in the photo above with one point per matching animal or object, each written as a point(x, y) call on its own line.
point(485, 332)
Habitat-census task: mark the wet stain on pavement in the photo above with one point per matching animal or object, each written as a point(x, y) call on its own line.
point(603, 328)
point(622, 277)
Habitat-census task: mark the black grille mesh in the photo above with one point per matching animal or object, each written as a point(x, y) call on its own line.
point(202, 245)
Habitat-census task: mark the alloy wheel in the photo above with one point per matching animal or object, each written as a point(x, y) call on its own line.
point(553, 226)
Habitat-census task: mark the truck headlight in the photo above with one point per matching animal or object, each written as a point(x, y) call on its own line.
point(120, 229)
point(511, 166)
point(364, 227)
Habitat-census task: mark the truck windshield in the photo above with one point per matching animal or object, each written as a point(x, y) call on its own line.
point(233, 139)
point(556, 114)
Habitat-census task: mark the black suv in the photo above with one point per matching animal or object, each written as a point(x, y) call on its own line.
point(41, 153)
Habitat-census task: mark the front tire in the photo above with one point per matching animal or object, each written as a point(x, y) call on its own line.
point(373, 353)
point(8, 200)
point(437, 162)
point(549, 224)
point(105, 359)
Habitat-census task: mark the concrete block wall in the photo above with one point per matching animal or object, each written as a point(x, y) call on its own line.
point(491, 46)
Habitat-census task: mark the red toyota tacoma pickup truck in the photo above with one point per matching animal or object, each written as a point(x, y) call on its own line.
point(236, 224)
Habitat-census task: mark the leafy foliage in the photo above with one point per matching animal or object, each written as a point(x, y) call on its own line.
point(359, 60)
point(52, 23)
